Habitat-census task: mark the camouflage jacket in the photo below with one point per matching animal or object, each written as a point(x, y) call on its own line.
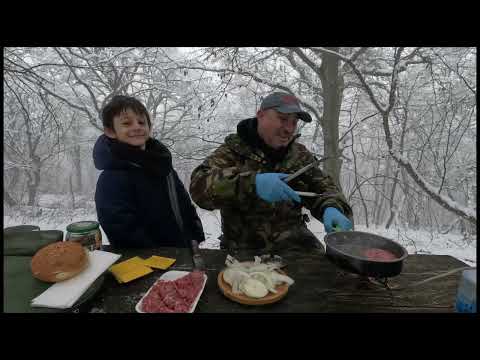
point(226, 181)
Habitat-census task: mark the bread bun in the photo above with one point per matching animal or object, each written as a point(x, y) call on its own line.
point(59, 261)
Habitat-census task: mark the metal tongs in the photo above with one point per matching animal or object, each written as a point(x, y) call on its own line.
point(300, 172)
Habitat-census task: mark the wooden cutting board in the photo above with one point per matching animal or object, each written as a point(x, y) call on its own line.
point(244, 299)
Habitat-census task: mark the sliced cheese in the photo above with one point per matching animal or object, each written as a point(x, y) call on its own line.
point(130, 269)
point(159, 262)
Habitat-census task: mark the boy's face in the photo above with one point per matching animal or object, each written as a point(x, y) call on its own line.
point(130, 128)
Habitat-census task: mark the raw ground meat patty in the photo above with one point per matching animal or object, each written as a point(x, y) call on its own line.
point(378, 254)
point(173, 296)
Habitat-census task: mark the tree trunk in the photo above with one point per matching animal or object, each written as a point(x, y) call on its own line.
point(72, 192)
point(394, 208)
point(13, 180)
point(32, 186)
point(393, 205)
point(410, 210)
point(364, 204)
point(376, 199)
point(33, 180)
point(77, 165)
point(357, 184)
point(76, 157)
point(332, 85)
point(379, 218)
point(8, 199)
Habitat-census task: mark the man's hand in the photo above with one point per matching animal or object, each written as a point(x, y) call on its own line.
point(271, 188)
point(334, 218)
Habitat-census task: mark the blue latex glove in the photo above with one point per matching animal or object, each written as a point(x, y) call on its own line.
point(333, 219)
point(271, 188)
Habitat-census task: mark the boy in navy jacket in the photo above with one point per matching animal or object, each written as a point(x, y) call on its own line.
point(140, 200)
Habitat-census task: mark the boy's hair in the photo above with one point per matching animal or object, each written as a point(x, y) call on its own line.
point(119, 104)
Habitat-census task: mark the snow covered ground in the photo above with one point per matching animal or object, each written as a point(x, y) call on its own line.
point(52, 216)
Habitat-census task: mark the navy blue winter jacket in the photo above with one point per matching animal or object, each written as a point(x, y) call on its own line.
point(132, 199)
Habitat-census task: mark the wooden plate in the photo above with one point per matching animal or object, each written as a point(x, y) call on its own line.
point(244, 299)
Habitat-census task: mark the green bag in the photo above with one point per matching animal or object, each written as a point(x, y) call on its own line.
point(20, 243)
point(21, 228)
point(27, 243)
point(20, 287)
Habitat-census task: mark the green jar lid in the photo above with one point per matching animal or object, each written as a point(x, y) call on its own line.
point(82, 227)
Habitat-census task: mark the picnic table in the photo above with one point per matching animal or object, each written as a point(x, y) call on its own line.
point(319, 286)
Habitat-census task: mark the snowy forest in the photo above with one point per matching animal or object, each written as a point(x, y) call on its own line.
point(396, 126)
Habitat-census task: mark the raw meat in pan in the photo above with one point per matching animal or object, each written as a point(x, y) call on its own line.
point(378, 254)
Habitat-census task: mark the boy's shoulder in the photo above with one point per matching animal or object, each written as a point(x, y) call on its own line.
point(114, 176)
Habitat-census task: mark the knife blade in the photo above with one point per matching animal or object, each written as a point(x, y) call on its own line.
point(198, 262)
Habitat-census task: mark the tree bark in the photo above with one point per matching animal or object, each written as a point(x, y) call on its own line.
point(357, 184)
point(376, 199)
point(332, 86)
point(32, 186)
point(72, 192)
point(77, 165)
point(393, 205)
point(33, 180)
point(9, 199)
point(379, 219)
point(394, 208)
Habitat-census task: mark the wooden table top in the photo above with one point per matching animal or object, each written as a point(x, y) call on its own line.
point(320, 287)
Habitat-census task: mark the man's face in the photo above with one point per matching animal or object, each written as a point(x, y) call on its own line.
point(130, 128)
point(275, 128)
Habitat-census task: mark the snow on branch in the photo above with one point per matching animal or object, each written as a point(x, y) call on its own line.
point(462, 211)
point(309, 105)
point(307, 60)
point(355, 124)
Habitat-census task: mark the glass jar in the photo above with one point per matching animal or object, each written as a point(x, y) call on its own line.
point(87, 233)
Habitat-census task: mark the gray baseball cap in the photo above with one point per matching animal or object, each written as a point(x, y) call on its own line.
point(285, 103)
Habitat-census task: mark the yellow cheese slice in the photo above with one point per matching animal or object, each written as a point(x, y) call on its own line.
point(125, 264)
point(159, 262)
point(136, 272)
point(130, 269)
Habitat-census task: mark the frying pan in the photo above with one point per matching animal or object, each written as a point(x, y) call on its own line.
point(346, 250)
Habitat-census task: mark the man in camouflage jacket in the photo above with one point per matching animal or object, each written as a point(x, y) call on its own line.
point(243, 178)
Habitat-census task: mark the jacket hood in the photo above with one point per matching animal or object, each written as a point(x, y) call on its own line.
point(103, 157)
point(111, 154)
